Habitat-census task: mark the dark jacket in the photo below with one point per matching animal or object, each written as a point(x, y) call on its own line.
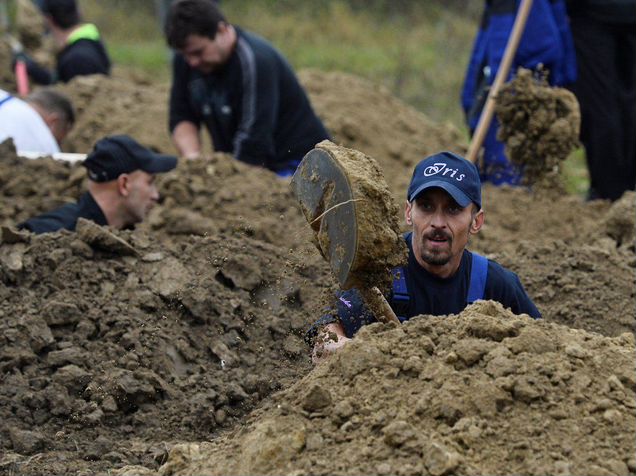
point(84, 54)
point(253, 107)
point(66, 216)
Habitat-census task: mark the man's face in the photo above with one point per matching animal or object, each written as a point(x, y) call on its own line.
point(141, 196)
point(205, 54)
point(441, 229)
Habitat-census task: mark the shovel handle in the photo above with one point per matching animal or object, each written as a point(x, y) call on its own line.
point(504, 67)
point(22, 78)
point(379, 306)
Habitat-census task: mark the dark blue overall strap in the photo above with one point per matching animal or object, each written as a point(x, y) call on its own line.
point(6, 99)
point(400, 298)
point(478, 277)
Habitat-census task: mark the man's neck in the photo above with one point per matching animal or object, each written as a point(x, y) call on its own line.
point(109, 205)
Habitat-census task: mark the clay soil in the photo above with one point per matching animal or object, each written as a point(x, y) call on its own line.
point(177, 348)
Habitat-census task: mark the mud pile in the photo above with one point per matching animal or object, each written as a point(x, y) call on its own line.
point(110, 358)
point(485, 392)
point(539, 125)
point(347, 204)
point(102, 346)
point(117, 105)
point(366, 117)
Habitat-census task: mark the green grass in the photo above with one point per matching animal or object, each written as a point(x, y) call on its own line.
point(575, 174)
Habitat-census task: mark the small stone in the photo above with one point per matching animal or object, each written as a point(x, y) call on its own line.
point(614, 383)
point(109, 404)
point(314, 441)
point(612, 416)
point(576, 351)
point(26, 442)
point(316, 399)
point(220, 416)
point(562, 468)
point(384, 469)
point(397, 433)
point(439, 460)
point(152, 257)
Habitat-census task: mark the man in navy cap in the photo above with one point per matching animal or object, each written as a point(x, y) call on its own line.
point(121, 187)
point(441, 277)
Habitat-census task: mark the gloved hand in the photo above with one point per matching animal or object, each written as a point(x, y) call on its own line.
point(37, 73)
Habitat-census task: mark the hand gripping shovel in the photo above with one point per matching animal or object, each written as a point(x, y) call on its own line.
point(346, 201)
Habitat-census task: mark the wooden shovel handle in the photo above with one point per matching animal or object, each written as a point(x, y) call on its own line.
point(377, 304)
point(504, 67)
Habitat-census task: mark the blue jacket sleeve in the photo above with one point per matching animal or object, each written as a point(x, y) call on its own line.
point(349, 310)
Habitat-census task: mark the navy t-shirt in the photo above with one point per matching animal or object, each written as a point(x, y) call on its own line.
point(431, 295)
point(253, 107)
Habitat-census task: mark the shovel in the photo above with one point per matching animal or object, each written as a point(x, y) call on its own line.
point(504, 67)
point(332, 197)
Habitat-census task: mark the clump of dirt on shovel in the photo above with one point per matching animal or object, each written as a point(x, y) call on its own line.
point(380, 244)
point(540, 126)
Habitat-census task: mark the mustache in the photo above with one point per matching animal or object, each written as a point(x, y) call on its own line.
point(438, 235)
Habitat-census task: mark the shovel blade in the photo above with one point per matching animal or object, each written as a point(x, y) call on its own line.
point(324, 192)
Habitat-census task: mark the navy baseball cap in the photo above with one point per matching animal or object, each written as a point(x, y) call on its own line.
point(448, 171)
point(116, 155)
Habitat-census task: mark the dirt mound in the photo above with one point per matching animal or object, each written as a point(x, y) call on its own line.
point(366, 117)
point(7, 78)
point(484, 392)
point(513, 215)
point(539, 125)
point(118, 105)
point(101, 345)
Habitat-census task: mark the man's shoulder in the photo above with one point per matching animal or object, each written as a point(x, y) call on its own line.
point(500, 274)
point(64, 217)
point(259, 48)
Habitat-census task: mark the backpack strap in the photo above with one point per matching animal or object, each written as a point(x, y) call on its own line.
point(478, 277)
point(400, 298)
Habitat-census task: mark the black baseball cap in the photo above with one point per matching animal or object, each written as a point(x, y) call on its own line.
point(121, 154)
point(450, 172)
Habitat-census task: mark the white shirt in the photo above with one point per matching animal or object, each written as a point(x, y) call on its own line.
point(25, 126)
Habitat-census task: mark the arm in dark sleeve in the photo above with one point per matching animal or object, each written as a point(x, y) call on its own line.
point(254, 138)
point(180, 109)
point(349, 311)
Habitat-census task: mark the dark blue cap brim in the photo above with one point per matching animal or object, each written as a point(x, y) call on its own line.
point(460, 197)
point(160, 163)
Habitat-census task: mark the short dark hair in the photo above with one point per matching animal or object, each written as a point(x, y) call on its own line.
point(64, 13)
point(52, 101)
point(191, 17)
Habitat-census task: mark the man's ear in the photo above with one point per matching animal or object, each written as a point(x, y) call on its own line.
point(477, 222)
point(123, 185)
point(407, 213)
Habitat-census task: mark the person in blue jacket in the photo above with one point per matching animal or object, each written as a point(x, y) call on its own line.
point(441, 277)
point(546, 46)
point(240, 88)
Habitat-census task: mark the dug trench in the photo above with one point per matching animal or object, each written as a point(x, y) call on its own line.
point(112, 360)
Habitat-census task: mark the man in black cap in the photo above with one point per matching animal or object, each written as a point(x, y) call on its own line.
point(81, 50)
point(238, 86)
point(441, 277)
point(121, 187)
